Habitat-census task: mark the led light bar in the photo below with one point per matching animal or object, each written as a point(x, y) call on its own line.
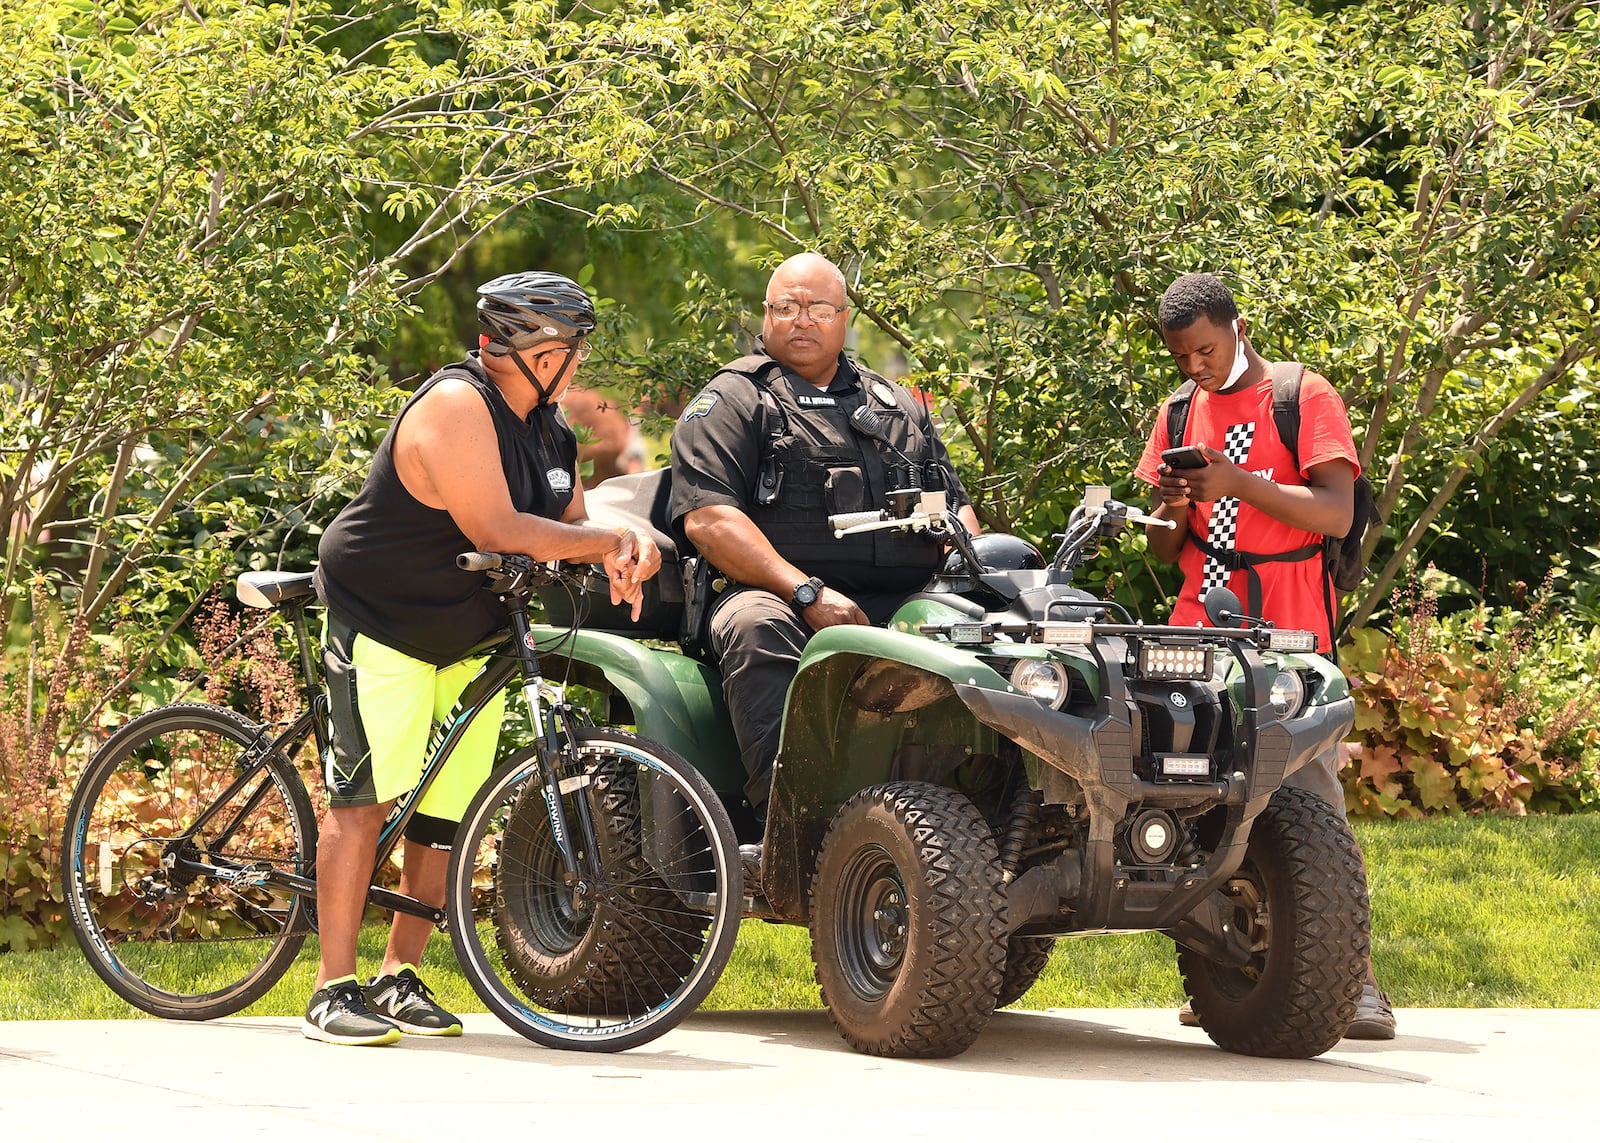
point(971, 633)
point(1066, 634)
point(1185, 766)
point(1167, 661)
point(1305, 641)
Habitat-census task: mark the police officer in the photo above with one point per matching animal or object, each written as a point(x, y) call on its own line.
point(760, 459)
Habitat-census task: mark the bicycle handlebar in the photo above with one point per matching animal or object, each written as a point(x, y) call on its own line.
point(478, 561)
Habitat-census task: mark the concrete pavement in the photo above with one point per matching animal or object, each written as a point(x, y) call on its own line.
point(1452, 1074)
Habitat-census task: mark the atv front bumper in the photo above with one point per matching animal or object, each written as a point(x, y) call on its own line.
point(1100, 756)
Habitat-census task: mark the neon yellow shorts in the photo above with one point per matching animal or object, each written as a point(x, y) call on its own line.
point(382, 706)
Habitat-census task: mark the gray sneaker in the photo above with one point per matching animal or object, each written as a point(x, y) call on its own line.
point(405, 1000)
point(338, 1014)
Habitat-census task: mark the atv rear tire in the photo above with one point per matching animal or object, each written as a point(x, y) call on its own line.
point(907, 921)
point(1026, 958)
point(1301, 896)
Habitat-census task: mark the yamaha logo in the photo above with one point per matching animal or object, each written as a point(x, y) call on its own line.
point(1178, 699)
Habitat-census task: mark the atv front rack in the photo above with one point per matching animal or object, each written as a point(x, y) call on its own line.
point(1080, 634)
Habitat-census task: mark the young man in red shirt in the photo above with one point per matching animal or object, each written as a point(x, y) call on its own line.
point(1252, 496)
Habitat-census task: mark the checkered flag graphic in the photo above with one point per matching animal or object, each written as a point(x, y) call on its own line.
point(1223, 532)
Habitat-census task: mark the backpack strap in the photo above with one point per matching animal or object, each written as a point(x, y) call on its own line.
point(1178, 413)
point(1285, 417)
point(1286, 377)
point(1235, 560)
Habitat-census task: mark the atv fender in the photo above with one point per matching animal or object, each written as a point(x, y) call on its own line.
point(862, 694)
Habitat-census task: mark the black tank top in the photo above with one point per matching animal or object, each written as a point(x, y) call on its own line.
point(387, 563)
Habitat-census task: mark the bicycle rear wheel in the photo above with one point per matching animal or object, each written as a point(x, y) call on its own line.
point(634, 948)
point(172, 911)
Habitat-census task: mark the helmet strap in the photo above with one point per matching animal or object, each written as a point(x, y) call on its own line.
point(543, 392)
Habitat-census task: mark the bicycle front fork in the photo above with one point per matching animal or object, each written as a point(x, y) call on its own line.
point(552, 721)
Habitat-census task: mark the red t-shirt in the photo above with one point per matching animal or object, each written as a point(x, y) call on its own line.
point(1239, 424)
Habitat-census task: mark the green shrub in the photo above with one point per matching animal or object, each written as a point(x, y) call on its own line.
point(60, 695)
point(39, 688)
point(1483, 710)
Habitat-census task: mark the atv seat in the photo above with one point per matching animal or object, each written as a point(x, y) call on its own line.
point(641, 501)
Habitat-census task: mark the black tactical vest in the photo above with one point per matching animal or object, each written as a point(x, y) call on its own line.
point(823, 467)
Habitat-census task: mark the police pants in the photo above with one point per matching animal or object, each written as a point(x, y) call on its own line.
point(1321, 777)
point(757, 639)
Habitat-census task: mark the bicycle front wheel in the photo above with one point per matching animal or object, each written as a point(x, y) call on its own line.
point(173, 833)
point(623, 954)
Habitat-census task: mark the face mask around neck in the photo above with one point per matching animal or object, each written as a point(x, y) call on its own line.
point(1239, 362)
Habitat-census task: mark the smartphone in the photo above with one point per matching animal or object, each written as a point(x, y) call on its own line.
point(1189, 456)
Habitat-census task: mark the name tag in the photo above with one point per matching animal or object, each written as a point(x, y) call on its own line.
point(822, 400)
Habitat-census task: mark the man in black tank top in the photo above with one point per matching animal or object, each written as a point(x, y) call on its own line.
point(760, 458)
point(480, 459)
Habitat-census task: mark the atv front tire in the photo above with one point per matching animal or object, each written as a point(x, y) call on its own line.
point(907, 921)
point(1301, 897)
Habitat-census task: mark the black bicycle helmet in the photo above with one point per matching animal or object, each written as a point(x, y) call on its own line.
point(523, 309)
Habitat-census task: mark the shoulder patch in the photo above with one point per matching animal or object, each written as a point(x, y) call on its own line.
point(700, 406)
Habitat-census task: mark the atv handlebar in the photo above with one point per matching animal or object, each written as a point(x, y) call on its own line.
point(1088, 524)
point(846, 523)
point(931, 514)
point(1125, 515)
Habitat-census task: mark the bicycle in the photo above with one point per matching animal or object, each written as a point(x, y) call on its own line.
point(594, 889)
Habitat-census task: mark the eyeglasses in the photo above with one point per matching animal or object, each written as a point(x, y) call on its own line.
point(820, 312)
point(583, 349)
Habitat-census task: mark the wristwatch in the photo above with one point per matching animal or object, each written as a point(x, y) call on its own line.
point(806, 592)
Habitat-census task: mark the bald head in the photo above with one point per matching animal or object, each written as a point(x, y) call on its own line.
point(812, 267)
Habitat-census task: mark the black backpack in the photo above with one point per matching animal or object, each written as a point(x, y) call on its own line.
point(1341, 554)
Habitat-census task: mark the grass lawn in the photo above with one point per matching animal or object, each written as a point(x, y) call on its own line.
point(1466, 912)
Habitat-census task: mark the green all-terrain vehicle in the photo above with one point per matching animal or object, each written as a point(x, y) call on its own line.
point(1009, 761)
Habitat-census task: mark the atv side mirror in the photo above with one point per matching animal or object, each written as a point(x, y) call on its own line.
point(1223, 609)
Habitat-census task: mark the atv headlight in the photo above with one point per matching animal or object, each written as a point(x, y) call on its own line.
point(1304, 642)
point(1174, 661)
point(1041, 679)
point(1287, 694)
